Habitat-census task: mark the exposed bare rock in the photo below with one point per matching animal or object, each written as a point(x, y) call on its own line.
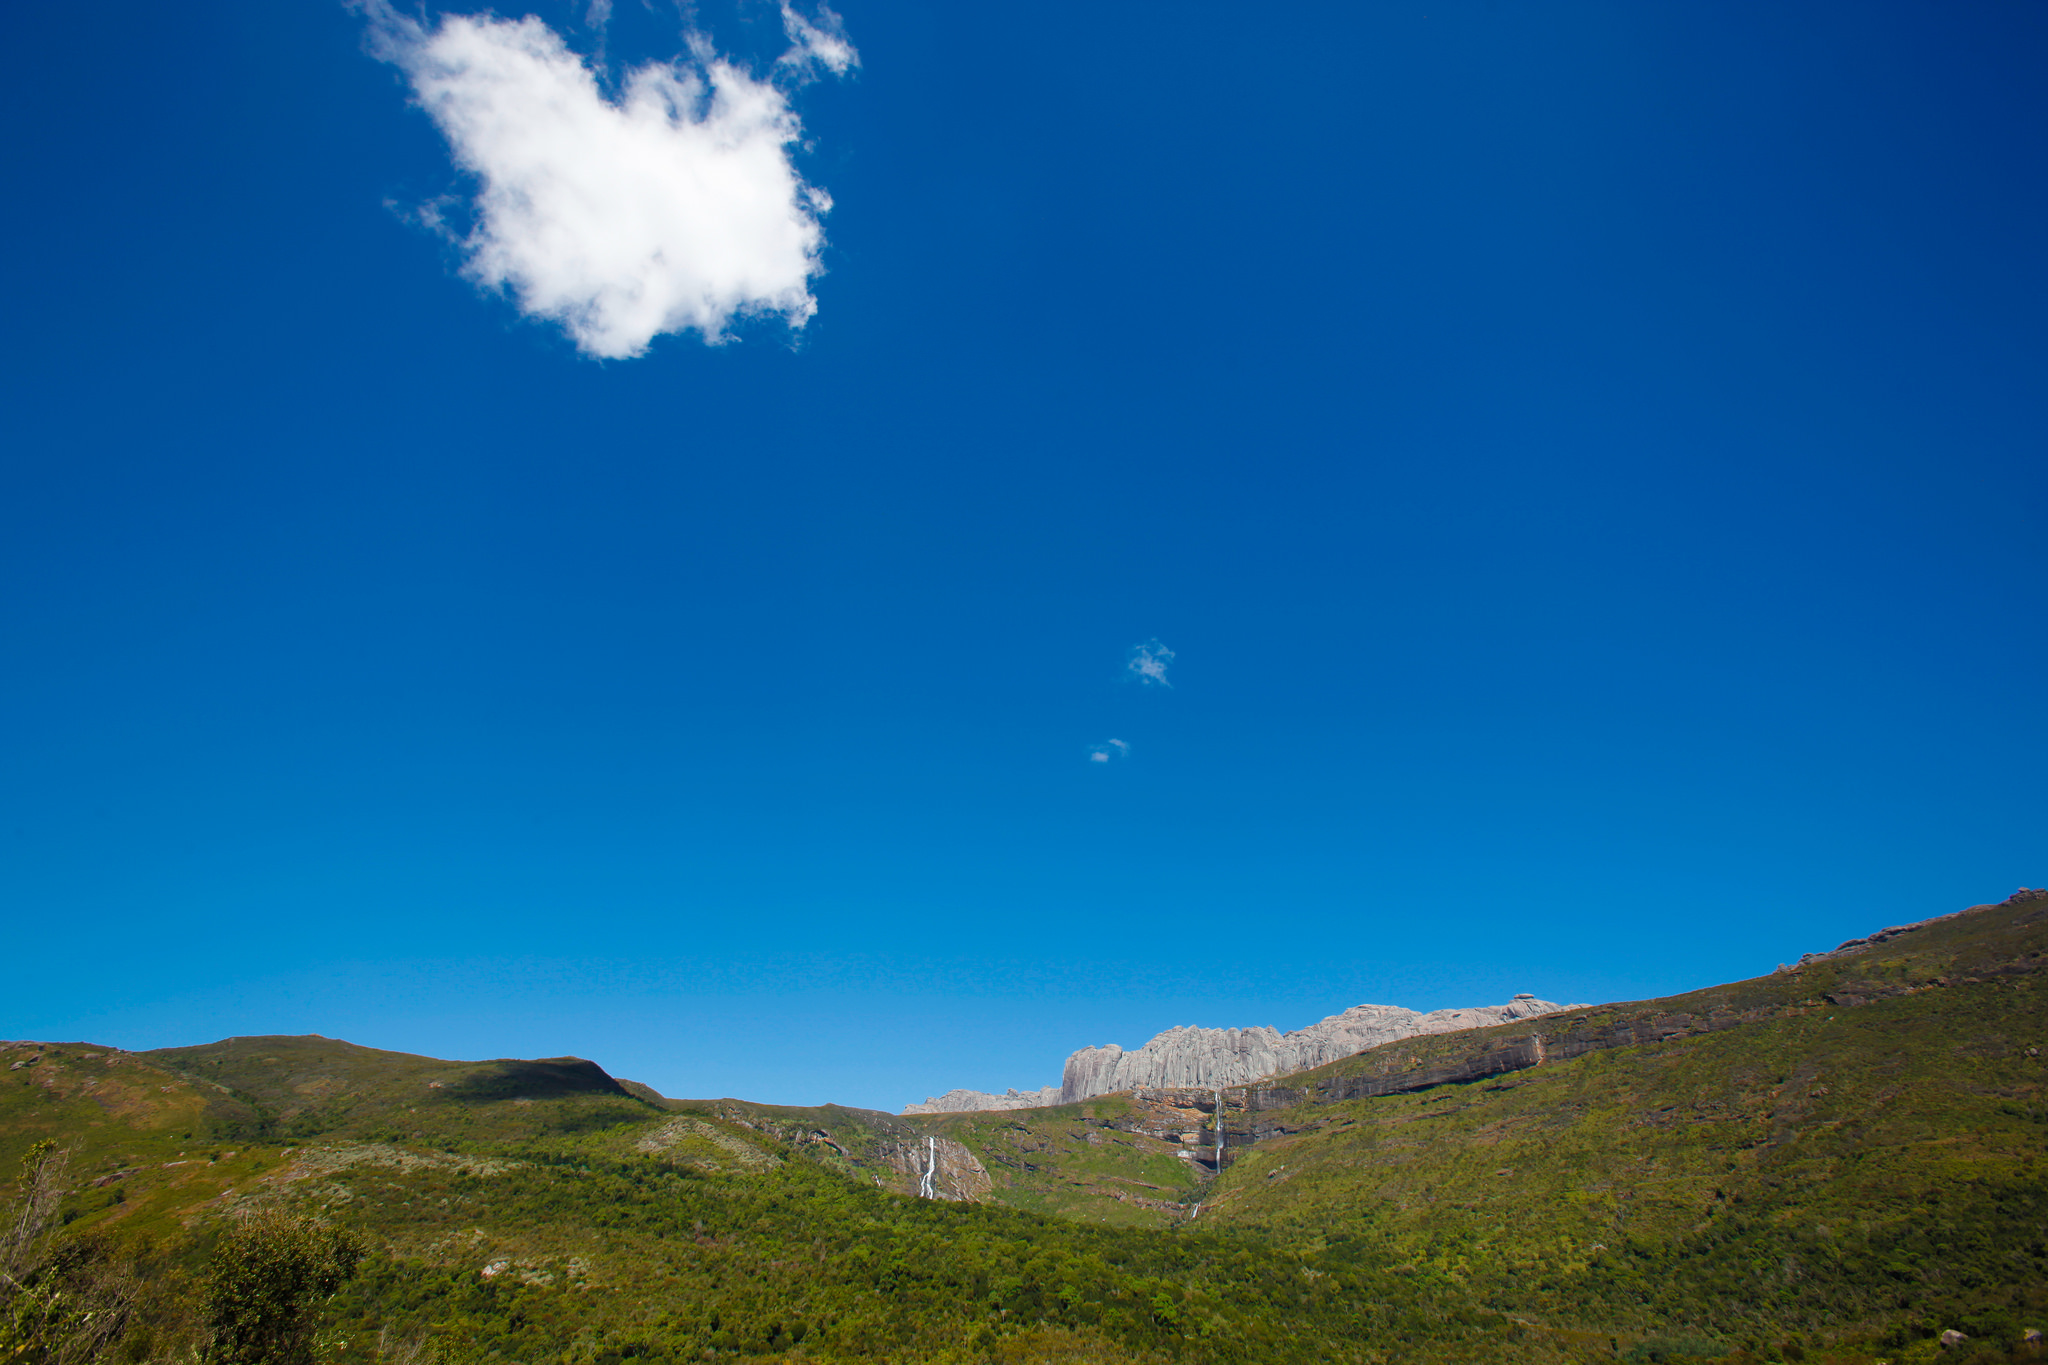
point(960, 1175)
point(972, 1101)
point(1208, 1056)
point(1188, 1056)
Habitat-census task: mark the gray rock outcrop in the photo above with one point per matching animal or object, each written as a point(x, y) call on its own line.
point(960, 1174)
point(1189, 1056)
point(971, 1101)
point(1218, 1056)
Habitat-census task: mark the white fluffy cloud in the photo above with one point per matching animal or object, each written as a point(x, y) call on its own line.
point(1108, 749)
point(674, 208)
point(1148, 663)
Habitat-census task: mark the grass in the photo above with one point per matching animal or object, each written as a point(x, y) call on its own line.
point(1834, 1164)
point(1870, 1173)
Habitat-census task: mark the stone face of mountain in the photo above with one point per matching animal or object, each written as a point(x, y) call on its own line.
point(1215, 1056)
point(977, 1101)
point(1187, 1056)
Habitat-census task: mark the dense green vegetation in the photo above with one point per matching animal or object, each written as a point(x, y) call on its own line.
point(1847, 1163)
point(266, 1283)
point(1862, 1164)
point(802, 1256)
point(1838, 1138)
point(561, 1249)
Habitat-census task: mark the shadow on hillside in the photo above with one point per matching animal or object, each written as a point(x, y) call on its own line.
point(550, 1078)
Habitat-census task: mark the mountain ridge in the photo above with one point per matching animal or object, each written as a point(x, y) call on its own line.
point(1840, 1162)
point(1187, 1055)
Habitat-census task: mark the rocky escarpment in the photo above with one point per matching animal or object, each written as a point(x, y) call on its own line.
point(978, 1101)
point(1188, 1056)
point(1214, 1056)
point(1972, 947)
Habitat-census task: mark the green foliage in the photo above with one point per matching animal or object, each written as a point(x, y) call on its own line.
point(674, 1264)
point(1672, 1351)
point(1846, 1164)
point(62, 1302)
point(268, 1277)
point(28, 1216)
point(1829, 1168)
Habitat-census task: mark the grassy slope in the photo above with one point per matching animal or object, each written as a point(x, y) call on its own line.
point(120, 1112)
point(660, 1262)
point(1859, 1175)
point(162, 1140)
point(1860, 1169)
point(585, 1226)
point(1073, 1161)
point(313, 1085)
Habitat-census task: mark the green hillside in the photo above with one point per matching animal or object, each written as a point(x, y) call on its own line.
point(586, 1227)
point(1837, 1163)
point(1852, 1150)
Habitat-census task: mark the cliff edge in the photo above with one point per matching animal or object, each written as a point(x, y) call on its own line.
point(1189, 1056)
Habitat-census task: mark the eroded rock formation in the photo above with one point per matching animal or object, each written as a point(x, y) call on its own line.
point(1188, 1056)
point(1217, 1056)
point(973, 1101)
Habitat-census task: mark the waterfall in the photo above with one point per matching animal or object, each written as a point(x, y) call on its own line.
point(928, 1183)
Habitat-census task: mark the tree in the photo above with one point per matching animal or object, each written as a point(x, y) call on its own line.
point(62, 1302)
point(264, 1287)
point(27, 1222)
point(71, 1305)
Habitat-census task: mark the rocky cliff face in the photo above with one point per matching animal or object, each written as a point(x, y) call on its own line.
point(960, 1173)
point(1188, 1056)
point(1213, 1056)
point(975, 1101)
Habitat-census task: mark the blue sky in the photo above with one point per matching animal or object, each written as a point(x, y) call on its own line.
point(1586, 461)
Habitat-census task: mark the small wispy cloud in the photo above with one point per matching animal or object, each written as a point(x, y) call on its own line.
point(1148, 663)
point(817, 43)
point(1107, 750)
point(674, 208)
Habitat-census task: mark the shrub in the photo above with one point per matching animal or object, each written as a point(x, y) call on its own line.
point(265, 1284)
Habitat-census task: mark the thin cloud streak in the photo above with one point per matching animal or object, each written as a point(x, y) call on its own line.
point(676, 208)
point(1148, 663)
point(1107, 750)
point(822, 43)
